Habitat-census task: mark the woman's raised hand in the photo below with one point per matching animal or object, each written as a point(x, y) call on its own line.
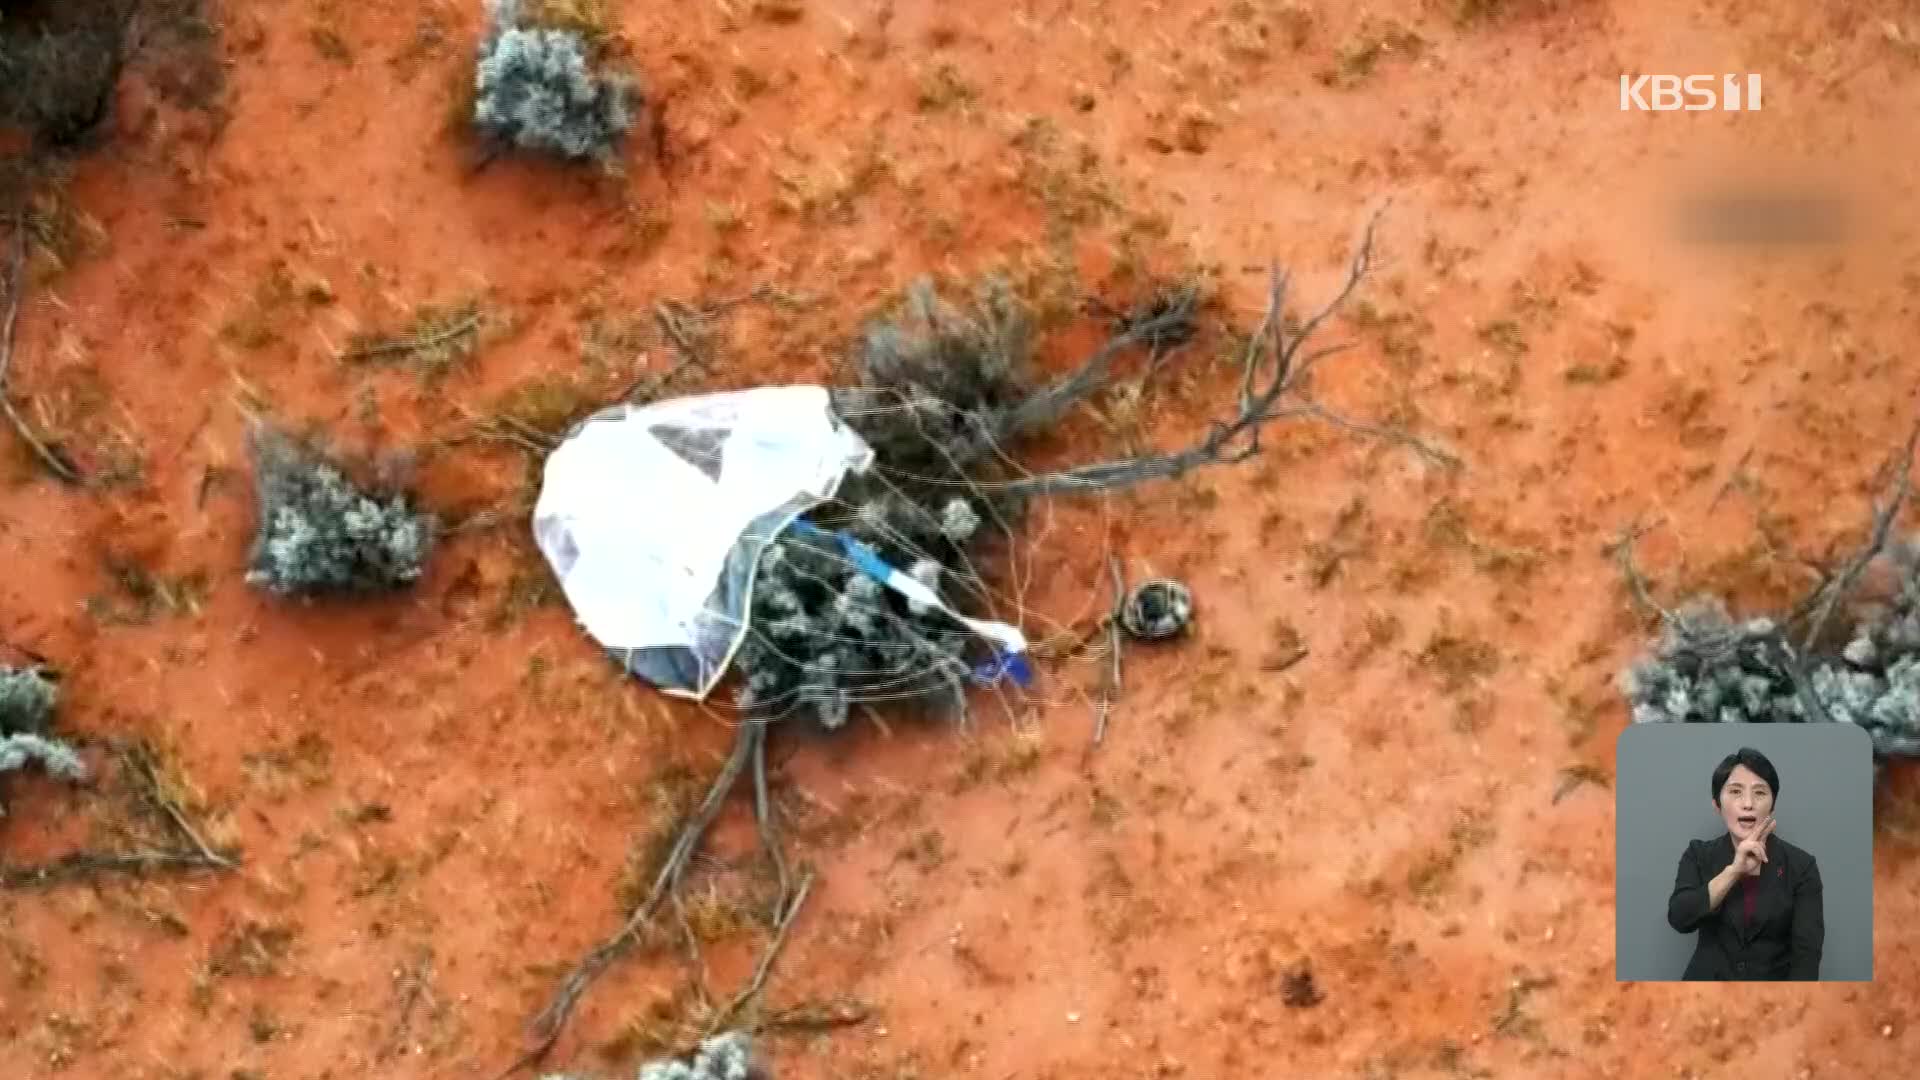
point(1751, 853)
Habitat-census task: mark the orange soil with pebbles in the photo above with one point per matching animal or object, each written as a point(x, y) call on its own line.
point(436, 795)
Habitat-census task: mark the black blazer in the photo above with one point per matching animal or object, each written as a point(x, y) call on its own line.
point(1785, 937)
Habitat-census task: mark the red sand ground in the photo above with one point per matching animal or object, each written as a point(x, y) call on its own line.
point(436, 796)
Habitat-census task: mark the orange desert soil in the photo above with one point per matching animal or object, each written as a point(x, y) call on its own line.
point(439, 798)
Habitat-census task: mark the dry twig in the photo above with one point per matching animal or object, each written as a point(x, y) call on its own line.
point(1285, 663)
point(141, 757)
point(644, 389)
point(401, 346)
point(1622, 551)
point(1734, 479)
point(503, 428)
point(814, 1017)
point(56, 462)
point(1110, 676)
point(416, 983)
point(84, 865)
point(791, 905)
point(673, 317)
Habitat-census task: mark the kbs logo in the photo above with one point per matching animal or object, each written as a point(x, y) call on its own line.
point(1690, 93)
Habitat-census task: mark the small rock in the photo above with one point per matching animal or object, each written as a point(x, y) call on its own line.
point(1298, 989)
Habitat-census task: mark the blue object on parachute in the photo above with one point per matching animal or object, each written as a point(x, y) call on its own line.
point(1003, 664)
point(863, 557)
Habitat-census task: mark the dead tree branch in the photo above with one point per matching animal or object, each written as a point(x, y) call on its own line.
point(1828, 596)
point(1046, 407)
point(82, 865)
point(552, 1020)
point(763, 811)
point(1273, 369)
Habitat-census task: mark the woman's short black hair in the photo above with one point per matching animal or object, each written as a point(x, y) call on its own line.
point(1752, 759)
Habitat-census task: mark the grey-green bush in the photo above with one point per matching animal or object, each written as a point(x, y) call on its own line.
point(535, 90)
point(320, 534)
point(824, 636)
point(27, 701)
point(1707, 668)
point(728, 1056)
point(52, 755)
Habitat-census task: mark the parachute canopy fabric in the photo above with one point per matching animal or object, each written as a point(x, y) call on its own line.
point(654, 518)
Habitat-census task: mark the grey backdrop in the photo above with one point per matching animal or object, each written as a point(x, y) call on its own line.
point(1662, 777)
